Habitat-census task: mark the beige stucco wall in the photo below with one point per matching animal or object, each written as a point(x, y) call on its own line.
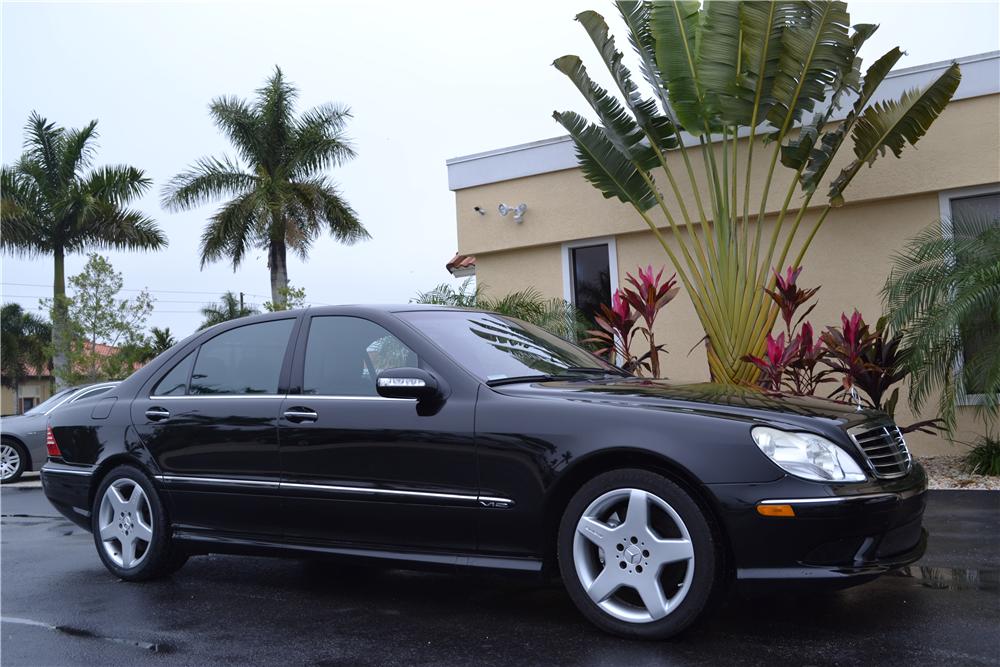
point(40, 389)
point(850, 256)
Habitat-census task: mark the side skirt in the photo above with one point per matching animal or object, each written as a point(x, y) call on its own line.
point(223, 544)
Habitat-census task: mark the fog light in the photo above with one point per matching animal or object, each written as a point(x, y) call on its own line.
point(775, 510)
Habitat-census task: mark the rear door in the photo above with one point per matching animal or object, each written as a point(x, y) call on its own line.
point(210, 422)
point(370, 471)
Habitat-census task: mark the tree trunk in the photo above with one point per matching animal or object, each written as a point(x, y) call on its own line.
point(60, 357)
point(276, 262)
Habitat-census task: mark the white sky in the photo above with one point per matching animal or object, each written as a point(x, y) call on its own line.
point(426, 81)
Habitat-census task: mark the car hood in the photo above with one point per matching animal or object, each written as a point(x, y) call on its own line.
point(702, 398)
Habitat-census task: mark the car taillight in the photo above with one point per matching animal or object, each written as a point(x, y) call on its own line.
point(50, 443)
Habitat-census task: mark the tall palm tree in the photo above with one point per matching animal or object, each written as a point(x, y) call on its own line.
point(24, 338)
point(943, 293)
point(162, 340)
point(52, 202)
point(278, 196)
point(228, 308)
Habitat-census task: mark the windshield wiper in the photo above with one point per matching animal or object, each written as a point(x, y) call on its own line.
point(571, 373)
point(597, 371)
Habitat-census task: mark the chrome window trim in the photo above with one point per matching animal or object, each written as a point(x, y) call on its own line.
point(84, 393)
point(494, 501)
point(214, 396)
point(828, 500)
point(322, 397)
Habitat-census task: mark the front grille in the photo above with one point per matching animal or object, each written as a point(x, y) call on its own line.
point(884, 449)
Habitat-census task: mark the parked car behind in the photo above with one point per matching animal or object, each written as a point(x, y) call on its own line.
point(22, 437)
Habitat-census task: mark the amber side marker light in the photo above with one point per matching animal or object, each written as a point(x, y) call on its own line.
point(775, 510)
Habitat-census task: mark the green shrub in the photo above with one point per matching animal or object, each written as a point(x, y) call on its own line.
point(984, 457)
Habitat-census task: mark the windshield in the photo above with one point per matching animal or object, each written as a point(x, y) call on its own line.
point(496, 347)
point(50, 402)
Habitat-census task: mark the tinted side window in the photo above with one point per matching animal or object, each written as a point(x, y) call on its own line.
point(246, 360)
point(175, 382)
point(344, 354)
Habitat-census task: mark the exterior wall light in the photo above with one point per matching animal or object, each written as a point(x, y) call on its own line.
point(518, 211)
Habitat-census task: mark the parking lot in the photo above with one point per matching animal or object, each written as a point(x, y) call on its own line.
point(61, 607)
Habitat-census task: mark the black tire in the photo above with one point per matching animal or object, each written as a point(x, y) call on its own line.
point(706, 580)
point(22, 455)
point(161, 557)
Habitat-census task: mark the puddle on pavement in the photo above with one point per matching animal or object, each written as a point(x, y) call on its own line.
point(952, 578)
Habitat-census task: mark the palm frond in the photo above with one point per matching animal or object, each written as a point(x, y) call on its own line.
point(208, 180)
point(120, 184)
point(78, 150)
point(43, 145)
point(238, 121)
point(605, 166)
point(234, 229)
point(892, 124)
point(674, 26)
point(106, 225)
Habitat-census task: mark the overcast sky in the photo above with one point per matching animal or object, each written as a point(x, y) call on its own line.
point(426, 81)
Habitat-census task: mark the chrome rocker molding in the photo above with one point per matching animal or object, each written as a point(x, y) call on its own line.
point(59, 469)
point(459, 498)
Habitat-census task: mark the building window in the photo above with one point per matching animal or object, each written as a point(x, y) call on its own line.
point(590, 274)
point(959, 209)
point(27, 403)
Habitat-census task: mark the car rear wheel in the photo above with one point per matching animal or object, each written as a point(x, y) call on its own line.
point(13, 460)
point(637, 554)
point(130, 527)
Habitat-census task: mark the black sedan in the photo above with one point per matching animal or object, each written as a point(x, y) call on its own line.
point(428, 435)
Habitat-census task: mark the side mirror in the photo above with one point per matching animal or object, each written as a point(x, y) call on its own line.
point(408, 383)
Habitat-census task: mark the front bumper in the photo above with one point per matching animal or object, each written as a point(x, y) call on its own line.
point(839, 535)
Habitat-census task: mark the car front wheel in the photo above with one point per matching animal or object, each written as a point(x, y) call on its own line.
point(130, 527)
point(637, 554)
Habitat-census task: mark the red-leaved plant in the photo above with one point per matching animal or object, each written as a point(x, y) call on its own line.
point(645, 296)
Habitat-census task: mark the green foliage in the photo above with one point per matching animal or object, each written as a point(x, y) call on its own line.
point(554, 315)
point(96, 316)
point(984, 457)
point(943, 292)
point(722, 71)
point(275, 193)
point(291, 298)
point(24, 341)
point(228, 308)
point(54, 202)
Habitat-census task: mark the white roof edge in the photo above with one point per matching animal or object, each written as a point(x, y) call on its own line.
point(980, 76)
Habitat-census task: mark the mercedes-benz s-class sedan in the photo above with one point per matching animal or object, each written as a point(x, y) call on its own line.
point(420, 434)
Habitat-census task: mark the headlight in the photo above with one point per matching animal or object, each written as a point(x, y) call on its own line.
point(807, 455)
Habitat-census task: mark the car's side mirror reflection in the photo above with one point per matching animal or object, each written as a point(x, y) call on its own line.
point(408, 383)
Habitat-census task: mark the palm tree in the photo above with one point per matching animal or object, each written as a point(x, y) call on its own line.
point(278, 196)
point(162, 340)
point(943, 293)
point(54, 203)
point(229, 308)
point(24, 338)
point(737, 77)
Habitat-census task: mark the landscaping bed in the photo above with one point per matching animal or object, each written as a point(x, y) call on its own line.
point(948, 472)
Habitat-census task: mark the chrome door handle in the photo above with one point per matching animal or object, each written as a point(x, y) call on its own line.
point(299, 414)
point(157, 414)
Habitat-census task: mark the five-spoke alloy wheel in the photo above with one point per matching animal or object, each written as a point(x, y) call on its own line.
point(131, 529)
point(637, 554)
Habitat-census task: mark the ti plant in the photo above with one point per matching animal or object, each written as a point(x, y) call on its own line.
point(791, 366)
point(736, 88)
point(646, 295)
point(872, 361)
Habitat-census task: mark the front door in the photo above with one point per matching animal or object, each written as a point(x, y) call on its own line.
point(369, 471)
point(211, 424)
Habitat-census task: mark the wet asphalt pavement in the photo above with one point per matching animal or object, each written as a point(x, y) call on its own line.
point(61, 607)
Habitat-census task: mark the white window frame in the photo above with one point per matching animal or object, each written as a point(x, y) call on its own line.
point(567, 270)
point(945, 198)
